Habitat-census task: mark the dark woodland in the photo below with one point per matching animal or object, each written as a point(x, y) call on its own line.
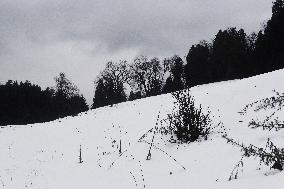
point(23, 102)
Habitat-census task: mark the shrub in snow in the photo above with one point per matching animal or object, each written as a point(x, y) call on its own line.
point(187, 122)
point(271, 155)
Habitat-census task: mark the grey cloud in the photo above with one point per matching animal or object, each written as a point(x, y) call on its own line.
point(152, 26)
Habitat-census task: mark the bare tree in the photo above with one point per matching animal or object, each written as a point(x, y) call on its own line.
point(116, 73)
point(110, 84)
point(147, 75)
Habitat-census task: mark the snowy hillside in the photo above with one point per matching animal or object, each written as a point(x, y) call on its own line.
point(46, 156)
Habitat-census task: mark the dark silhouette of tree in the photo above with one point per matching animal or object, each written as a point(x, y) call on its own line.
point(253, 68)
point(229, 55)
point(175, 81)
point(65, 87)
point(100, 98)
point(260, 56)
point(198, 68)
point(78, 104)
point(110, 84)
point(67, 97)
point(147, 76)
point(116, 74)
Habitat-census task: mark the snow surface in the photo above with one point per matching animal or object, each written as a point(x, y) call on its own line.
point(46, 155)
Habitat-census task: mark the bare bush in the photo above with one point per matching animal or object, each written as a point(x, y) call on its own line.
point(274, 102)
point(269, 123)
point(271, 155)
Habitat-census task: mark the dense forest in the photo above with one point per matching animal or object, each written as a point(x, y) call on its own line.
point(232, 54)
point(23, 103)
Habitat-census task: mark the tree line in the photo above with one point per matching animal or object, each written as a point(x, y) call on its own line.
point(24, 103)
point(145, 77)
point(232, 54)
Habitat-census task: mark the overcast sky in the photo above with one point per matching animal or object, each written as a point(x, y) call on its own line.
point(40, 38)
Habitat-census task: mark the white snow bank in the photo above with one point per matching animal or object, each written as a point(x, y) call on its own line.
point(46, 155)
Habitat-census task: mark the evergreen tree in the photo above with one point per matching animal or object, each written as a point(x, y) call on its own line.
point(67, 97)
point(65, 87)
point(272, 41)
point(229, 54)
point(100, 98)
point(198, 68)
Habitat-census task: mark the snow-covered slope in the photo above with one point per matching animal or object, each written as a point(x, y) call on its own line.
point(46, 155)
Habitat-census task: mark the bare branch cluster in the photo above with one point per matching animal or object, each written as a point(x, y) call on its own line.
point(271, 155)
